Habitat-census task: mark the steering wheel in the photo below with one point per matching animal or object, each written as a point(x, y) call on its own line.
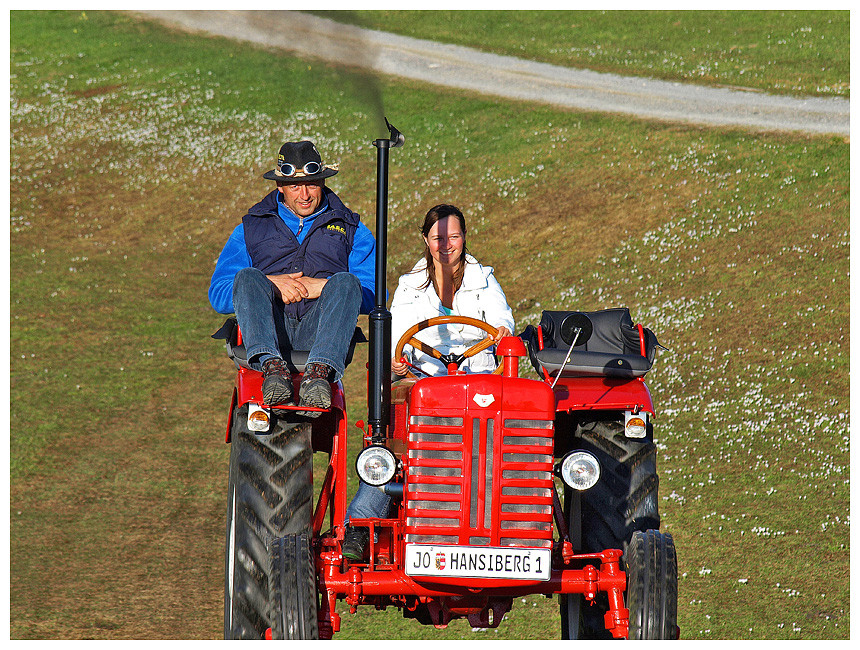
point(409, 337)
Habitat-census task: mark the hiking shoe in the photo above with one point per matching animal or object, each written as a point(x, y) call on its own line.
point(277, 383)
point(355, 542)
point(315, 389)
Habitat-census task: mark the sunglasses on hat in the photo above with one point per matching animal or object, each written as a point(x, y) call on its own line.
point(288, 170)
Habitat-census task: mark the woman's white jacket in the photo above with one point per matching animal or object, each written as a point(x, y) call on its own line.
point(480, 296)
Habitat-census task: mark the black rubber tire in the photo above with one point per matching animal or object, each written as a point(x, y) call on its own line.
point(625, 498)
point(652, 586)
point(293, 589)
point(572, 606)
point(622, 502)
point(270, 495)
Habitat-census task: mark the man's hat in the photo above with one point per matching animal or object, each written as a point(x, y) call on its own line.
point(300, 161)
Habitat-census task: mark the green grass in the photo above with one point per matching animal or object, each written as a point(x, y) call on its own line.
point(791, 52)
point(134, 151)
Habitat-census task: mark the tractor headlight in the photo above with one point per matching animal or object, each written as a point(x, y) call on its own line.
point(580, 470)
point(635, 424)
point(376, 465)
point(258, 418)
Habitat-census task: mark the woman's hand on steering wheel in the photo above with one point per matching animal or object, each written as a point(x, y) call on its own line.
point(501, 333)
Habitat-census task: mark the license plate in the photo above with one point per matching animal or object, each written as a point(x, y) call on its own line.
point(508, 563)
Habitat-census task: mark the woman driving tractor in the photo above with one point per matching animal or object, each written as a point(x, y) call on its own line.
point(446, 281)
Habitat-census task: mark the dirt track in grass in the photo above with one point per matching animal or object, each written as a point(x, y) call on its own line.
point(504, 76)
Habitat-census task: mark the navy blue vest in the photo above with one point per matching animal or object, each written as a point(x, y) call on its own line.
point(274, 249)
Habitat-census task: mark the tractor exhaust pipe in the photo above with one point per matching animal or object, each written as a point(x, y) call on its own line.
point(379, 372)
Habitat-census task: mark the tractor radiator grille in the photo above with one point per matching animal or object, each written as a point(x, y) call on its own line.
point(478, 483)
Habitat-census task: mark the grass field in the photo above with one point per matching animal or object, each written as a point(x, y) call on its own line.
point(134, 152)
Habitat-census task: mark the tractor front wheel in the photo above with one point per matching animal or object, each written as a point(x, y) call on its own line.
point(293, 589)
point(652, 586)
point(572, 607)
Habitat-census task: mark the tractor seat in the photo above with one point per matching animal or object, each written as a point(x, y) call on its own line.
point(615, 348)
point(296, 359)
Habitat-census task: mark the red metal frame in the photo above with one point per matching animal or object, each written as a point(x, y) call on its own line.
point(382, 580)
point(370, 583)
point(603, 393)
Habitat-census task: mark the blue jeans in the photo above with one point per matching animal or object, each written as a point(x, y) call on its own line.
point(368, 502)
point(325, 330)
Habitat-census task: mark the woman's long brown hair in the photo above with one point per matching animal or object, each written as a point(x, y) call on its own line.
point(437, 213)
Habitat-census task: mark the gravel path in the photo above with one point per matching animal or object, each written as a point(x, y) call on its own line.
point(509, 77)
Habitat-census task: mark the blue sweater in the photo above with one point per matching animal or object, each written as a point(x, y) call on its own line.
point(234, 257)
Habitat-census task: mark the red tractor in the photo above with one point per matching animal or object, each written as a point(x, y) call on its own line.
point(472, 463)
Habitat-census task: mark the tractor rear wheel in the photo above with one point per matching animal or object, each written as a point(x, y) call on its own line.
point(652, 586)
point(293, 589)
point(270, 495)
point(625, 498)
point(606, 516)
